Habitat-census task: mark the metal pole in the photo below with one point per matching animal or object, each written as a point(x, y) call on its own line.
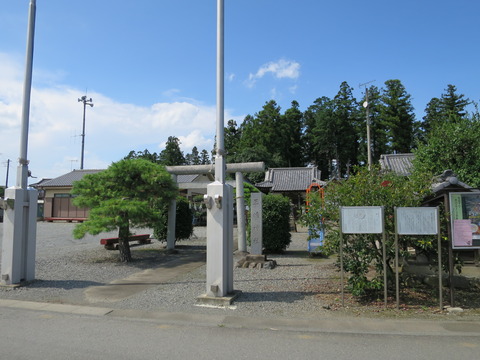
point(440, 282)
point(85, 102)
point(397, 279)
point(369, 146)
point(22, 170)
point(220, 151)
point(83, 136)
point(8, 170)
point(450, 253)
point(340, 253)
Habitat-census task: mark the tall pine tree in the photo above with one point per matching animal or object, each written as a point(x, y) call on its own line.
point(397, 113)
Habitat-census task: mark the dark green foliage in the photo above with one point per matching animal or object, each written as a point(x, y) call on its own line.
point(398, 117)
point(320, 134)
point(378, 128)
point(128, 194)
point(450, 107)
point(454, 146)
point(183, 222)
point(172, 155)
point(367, 188)
point(193, 158)
point(145, 154)
point(276, 223)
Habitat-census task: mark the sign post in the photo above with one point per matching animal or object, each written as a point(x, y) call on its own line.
point(362, 220)
point(418, 221)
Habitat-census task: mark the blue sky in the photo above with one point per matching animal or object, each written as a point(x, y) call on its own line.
point(149, 66)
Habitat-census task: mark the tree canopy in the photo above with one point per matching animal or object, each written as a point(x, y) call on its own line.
point(331, 133)
point(127, 194)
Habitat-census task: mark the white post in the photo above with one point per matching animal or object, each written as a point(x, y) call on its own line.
point(20, 209)
point(19, 236)
point(219, 239)
point(219, 195)
point(242, 237)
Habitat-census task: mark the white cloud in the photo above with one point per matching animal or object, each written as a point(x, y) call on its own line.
point(112, 128)
point(281, 69)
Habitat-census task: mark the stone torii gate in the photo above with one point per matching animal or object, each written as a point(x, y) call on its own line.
point(238, 169)
point(219, 201)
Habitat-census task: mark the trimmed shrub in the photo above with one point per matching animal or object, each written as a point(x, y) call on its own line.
point(183, 224)
point(276, 223)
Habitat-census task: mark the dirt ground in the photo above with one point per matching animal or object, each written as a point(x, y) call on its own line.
point(418, 302)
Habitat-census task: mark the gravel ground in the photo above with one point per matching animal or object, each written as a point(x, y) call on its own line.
point(300, 286)
point(66, 267)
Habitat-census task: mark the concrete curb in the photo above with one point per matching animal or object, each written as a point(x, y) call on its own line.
point(337, 325)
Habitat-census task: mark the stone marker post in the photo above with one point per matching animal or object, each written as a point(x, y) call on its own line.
point(256, 225)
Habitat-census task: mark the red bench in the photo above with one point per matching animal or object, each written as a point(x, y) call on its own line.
point(112, 243)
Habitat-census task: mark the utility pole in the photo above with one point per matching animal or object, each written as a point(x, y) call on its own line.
point(85, 102)
point(8, 168)
point(366, 106)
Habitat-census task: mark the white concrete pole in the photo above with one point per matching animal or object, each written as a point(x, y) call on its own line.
point(20, 207)
point(242, 234)
point(219, 195)
point(220, 151)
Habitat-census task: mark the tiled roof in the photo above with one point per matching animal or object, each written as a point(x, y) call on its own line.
point(290, 179)
point(400, 164)
point(67, 179)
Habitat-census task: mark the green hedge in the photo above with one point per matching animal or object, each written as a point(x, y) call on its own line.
point(276, 223)
point(183, 224)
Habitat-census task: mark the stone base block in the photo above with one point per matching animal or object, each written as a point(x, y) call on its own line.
point(218, 301)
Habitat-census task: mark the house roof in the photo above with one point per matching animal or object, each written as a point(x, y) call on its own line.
point(400, 164)
point(68, 179)
point(289, 179)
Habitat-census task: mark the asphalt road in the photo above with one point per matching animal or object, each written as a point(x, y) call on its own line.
point(30, 335)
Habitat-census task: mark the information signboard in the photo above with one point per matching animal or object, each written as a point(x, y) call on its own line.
point(465, 219)
point(362, 219)
point(417, 221)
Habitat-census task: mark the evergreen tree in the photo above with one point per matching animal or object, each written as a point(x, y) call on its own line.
point(346, 131)
point(232, 137)
point(450, 107)
point(293, 123)
point(130, 193)
point(397, 113)
point(145, 154)
point(172, 155)
point(453, 105)
point(433, 116)
point(193, 158)
point(261, 139)
point(319, 144)
point(204, 158)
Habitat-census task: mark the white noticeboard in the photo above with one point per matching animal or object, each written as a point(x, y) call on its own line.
point(362, 219)
point(417, 221)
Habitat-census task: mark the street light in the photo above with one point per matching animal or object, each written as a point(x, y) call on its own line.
point(365, 105)
point(85, 102)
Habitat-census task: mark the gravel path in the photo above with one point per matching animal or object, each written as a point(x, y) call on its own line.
point(300, 286)
point(66, 268)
